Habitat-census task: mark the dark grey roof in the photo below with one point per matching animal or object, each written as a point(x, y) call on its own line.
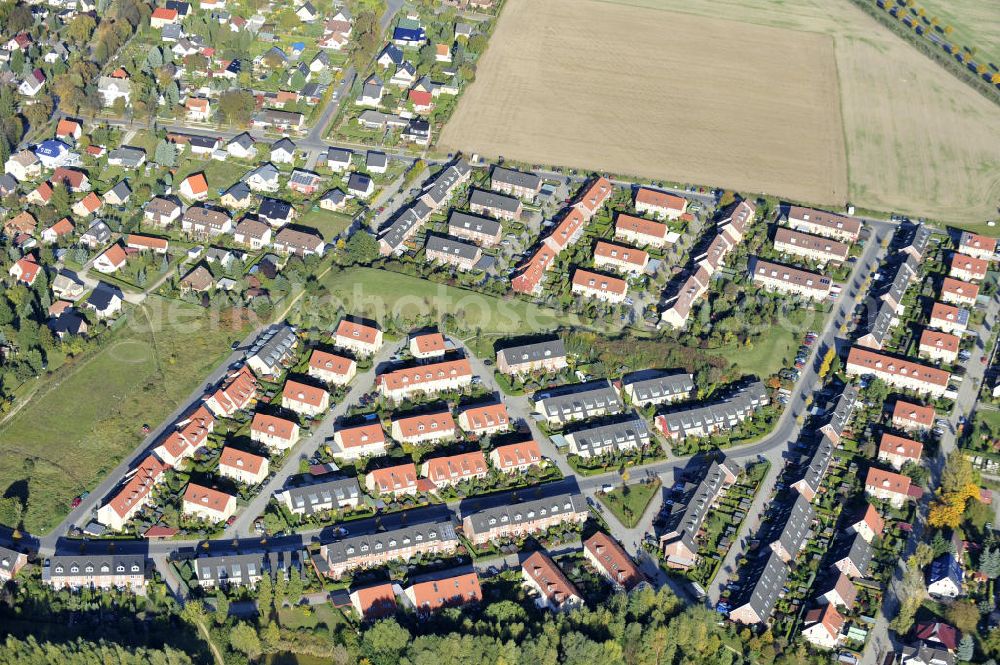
point(818, 465)
point(358, 182)
point(623, 434)
point(917, 244)
point(339, 155)
point(881, 323)
point(842, 411)
point(528, 511)
point(352, 547)
point(452, 247)
point(464, 221)
point(905, 273)
point(103, 295)
point(577, 399)
point(335, 196)
point(493, 200)
point(858, 550)
point(8, 558)
point(798, 521)
point(401, 229)
point(724, 414)
point(440, 187)
point(688, 512)
point(323, 495)
point(239, 191)
point(72, 565)
point(203, 141)
point(534, 352)
point(376, 159)
point(372, 117)
point(244, 140)
point(373, 87)
point(99, 231)
point(69, 322)
point(664, 385)
point(285, 144)
point(8, 184)
point(516, 178)
point(128, 155)
point(768, 575)
point(273, 345)
point(929, 655)
point(267, 171)
point(238, 569)
point(394, 52)
point(121, 190)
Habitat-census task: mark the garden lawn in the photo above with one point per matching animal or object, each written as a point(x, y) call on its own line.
point(78, 428)
point(773, 349)
point(629, 506)
point(329, 224)
point(381, 294)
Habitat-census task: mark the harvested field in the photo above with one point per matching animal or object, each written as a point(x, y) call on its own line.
point(917, 139)
point(599, 86)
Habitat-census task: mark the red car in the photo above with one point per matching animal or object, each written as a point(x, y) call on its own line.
point(76, 502)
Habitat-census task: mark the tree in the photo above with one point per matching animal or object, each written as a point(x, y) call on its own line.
point(966, 648)
point(244, 639)
point(11, 510)
point(958, 473)
point(295, 587)
point(81, 28)
point(963, 614)
point(989, 563)
point(221, 608)
point(384, 642)
point(155, 57)
point(362, 248)
point(236, 106)
point(60, 199)
point(824, 368)
point(265, 597)
point(165, 154)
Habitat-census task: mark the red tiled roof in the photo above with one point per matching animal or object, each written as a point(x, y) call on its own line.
point(887, 481)
point(969, 264)
point(445, 592)
point(242, 460)
point(138, 486)
point(891, 444)
point(660, 199)
point(362, 435)
point(623, 253)
point(455, 467)
point(376, 601)
point(613, 559)
point(599, 282)
point(329, 362)
point(641, 225)
point(518, 454)
point(487, 416)
point(272, 425)
point(357, 331)
point(206, 497)
point(922, 415)
point(899, 367)
point(934, 339)
point(303, 392)
point(421, 374)
point(959, 288)
point(412, 426)
point(394, 478)
point(430, 342)
point(197, 183)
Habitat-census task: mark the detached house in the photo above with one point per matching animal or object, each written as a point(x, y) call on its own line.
point(194, 187)
point(112, 260)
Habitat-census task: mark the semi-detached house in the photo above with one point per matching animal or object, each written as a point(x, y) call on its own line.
point(424, 428)
point(393, 481)
point(516, 457)
point(305, 399)
point(361, 339)
point(357, 441)
point(453, 469)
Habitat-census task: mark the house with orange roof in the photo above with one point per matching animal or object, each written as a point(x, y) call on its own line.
point(237, 392)
point(898, 372)
point(912, 417)
point(134, 494)
point(242, 466)
point(956, 292)
point(596, 285)
point(23, 222)
point(643, 231)
point(424, 428)
point(939, 346)
point(660, 204)
point(198, 109)
point(189, 434)
point(443, 591)
point(112, 260)
point(68, 128)
point(60, 229)
point(897, 450)
point(359, 338)
point(305, 399)
point(516, 457)
point(822, 627)
point(207, 503)
point(87, 206)
point(553, 589)
point(162, 16)
point(40, 195)
point(611, 561)
point(331, 369)
point(869, 525)
point(442, 53)
point(144, 243)
point(889, 486)
point(978, 246)
point(194, 187)
point(275, 433)
point(374, 602)
point(621, 258)
point(392, 481)
point(968, 268)
point(354, 442)
point(425, 379)
point(453, 469)
point(25, 270)
point(485, 419)
point(949, 318)
point(427, 345)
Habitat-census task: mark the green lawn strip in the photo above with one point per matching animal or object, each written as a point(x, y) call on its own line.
point(628, 502)
point(381, 294)
point(330, 224)
point(71, 434)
